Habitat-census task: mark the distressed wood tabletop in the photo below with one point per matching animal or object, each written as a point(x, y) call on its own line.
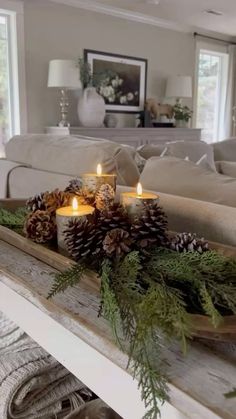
point(198, 381)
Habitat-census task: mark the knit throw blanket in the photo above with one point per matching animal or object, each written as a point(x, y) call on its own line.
point(33, 384)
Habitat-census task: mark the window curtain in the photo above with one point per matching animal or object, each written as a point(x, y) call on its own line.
point(228, 129)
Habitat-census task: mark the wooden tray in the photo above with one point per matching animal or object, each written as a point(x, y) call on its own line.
point(202, 326)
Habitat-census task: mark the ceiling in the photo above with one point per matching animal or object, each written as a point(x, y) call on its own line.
point(185, 14)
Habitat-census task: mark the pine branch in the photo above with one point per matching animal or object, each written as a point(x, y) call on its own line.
point(231, 394)
point(14, 220)
point(209, 307)
point(66, 279)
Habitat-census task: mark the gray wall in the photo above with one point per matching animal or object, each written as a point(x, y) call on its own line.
point(58, 31)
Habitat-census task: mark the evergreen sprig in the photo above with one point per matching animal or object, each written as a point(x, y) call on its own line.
point(13, 220)
point(66, 279)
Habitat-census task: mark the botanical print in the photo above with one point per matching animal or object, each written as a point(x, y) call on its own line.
point(122, 80)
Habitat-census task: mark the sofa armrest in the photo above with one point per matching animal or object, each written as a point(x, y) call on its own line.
point(213, 221)
point(6, 167)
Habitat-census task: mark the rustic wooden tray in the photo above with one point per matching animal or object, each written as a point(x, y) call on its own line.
point(202, 326)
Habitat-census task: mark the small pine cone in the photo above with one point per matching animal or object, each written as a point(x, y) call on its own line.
point(74, 187)
point(150, 227)
point(36, 203)
point(83, 239)
point(117, 242)
point(105, 197)
point(56, 199)
point(113, 217)
point(40, 227)
point(188, 242)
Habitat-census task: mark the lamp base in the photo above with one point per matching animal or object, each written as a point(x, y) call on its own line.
point(64, 105)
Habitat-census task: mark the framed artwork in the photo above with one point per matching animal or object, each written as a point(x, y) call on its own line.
point(120, 79)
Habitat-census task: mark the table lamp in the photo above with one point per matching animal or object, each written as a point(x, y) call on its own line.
point(64, 75)
point(179, 87)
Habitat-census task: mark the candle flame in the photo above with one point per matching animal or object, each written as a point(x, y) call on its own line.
point(75, 205)
point(99, 169)
point(139, 189)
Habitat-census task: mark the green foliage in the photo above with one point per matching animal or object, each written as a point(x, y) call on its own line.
point(182, 113)
point(231, 394)
point(13, 220)
point(147, 300)
point(67, 279)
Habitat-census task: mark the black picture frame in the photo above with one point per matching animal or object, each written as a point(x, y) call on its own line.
point(124, 89)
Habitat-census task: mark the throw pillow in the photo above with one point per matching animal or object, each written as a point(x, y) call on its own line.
point(227, 168)
point(193, 149)
point(176, 176)
point(149, 150)
point(225, 150)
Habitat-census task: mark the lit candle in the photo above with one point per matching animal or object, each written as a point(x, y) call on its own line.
point(66, 214)
point(92, 182)
point(134, 202)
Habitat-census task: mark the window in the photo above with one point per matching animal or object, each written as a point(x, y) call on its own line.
point(210, 95)
point(11, 72)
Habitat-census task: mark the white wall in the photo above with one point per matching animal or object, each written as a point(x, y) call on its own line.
point(58, 31)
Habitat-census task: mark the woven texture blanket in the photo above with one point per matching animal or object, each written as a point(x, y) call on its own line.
point(33, 384)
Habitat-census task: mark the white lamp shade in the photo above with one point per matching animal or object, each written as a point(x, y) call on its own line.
point(64, 73)
point(179, 87)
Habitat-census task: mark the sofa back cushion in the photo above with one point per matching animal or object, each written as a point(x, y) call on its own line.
point(150, 150)
point(225, 150)
point(73, 156)
point(181, 177)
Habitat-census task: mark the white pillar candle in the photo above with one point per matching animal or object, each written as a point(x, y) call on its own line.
point(92, 182)
point(66, 214)
point(134, 202)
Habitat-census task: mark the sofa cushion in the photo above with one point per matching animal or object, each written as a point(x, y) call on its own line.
point(149, 150)
point(6, 167)
point(195, 150)
point(73, 156)
point(225, 150)
point(180, 177)
point(227, 168)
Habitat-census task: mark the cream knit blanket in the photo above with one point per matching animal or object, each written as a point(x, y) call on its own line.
point(33, 384)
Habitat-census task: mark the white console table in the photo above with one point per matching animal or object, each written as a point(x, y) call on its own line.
point(132, 136)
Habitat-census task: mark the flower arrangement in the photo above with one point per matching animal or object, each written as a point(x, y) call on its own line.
point(151, 283)
point(182, 113)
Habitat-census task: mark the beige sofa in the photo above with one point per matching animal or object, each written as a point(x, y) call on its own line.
point(35, 163)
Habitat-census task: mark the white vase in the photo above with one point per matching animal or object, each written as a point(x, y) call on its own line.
point(179, 123)
point(91, 109)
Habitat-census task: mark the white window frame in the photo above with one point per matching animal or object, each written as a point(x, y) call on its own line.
point(14, 10)
point(214, 49)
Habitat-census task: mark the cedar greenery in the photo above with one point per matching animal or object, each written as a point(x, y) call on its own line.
point(14, 220)
point(147, 299)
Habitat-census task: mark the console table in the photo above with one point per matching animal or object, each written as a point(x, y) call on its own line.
point(131, 136)
point(68, 327)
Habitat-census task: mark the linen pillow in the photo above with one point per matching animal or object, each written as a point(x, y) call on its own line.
point(73, 156)
point(150, 150)
point(225, 150)
point(193, 149)
point(227, 168)
point(184, 178)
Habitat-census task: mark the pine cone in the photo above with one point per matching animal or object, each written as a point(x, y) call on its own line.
point(36, 203)
point(83, 239)
point(105, 197)
point(74, 187)
point(56, 199)
point(150, 227)
point(117, 242)
point(40, 227)
point(113, 217)
point(188, 242)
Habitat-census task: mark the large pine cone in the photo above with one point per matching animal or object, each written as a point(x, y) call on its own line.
point(105, 197)
point(83, 239)
point(56, 199)
point(36, 203)
point(40, 227)
point(117, 242)
point(113, 217)
point(150, 227)
point(188, 242)
point(74, 187)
